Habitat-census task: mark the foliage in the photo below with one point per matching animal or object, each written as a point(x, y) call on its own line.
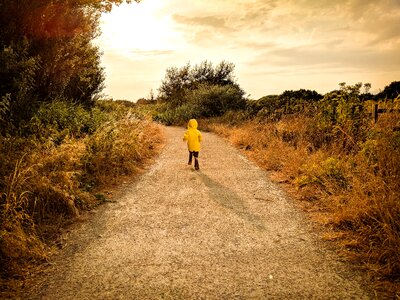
point(52, 168)
point(201, 91)
point(391, 91)
point(118, 148)
point(176, 115)
point(205, 101)
point(4, 109)
point(17, 80)
point(342, 113)
point(215, 100)
point(274, 107)
point(46, 53)
point(178, 80)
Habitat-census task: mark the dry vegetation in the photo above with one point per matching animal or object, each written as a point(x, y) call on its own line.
point(58, 170)
point(342, 165)
point(354, 193)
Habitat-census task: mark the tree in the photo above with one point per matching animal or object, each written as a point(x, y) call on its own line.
point(204, 72)
point(178, 80)
point(173, 86)
point(47, 54)
point(367, 87)
point(221, 74)
point(199, 91)
point(366, 95)
point(224, 73)
point(391, 91)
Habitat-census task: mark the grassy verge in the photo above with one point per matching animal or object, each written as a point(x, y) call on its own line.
point(54, 167)
point(355, 194)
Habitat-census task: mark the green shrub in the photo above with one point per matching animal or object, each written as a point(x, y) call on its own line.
point(203, 102)
point(342, 117)
point(54, 121)
point(235, 117)
point(215, 100)
point(178, 115)
point(5, 124)
point(118, 148)
point(17, 81)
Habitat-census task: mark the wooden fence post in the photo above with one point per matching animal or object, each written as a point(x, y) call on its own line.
point(375, 112)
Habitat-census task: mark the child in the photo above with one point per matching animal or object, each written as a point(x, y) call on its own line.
point(193, 138)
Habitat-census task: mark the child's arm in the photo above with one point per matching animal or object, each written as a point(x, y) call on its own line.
point(186, 136)
point(200, 137)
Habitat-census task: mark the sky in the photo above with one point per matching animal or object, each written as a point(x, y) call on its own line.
point(276, 45)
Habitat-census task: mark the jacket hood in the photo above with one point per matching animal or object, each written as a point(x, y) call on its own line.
point(192, 124)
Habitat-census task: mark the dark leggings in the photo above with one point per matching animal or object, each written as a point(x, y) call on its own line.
point(196, 156)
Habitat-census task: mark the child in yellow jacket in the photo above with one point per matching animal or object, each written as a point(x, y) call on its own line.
point(193, 138)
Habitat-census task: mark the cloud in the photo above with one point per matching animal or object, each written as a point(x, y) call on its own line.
point(216, 22)
point(258, 45)
point(311, 59)
point(139, 52)
point(275, 44)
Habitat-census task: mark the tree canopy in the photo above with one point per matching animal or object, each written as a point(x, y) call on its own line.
point(203, 90)
point(46, 53)
point(391, 91)
point(178, 80)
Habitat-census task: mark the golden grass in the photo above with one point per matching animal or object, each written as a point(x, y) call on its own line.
point(356, 196)
point(120, 149)
point(18, 237)
point(46, 184)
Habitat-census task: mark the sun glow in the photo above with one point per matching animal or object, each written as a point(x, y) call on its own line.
point(275, 47)
point(134, 30)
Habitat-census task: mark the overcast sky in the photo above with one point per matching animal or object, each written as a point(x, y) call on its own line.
point(276, 45)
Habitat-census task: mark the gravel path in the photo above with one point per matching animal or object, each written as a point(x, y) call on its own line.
point(225, 232)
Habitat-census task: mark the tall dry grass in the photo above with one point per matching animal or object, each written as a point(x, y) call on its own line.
point(354, 194)
point(18, 237)
point(120, 148)
point(52, 174)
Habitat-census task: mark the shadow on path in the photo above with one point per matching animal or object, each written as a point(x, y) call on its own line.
point(230, 200)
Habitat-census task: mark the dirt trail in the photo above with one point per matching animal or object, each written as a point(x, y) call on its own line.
point(225, 232)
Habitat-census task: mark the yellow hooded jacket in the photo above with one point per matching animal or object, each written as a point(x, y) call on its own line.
point(193, 136)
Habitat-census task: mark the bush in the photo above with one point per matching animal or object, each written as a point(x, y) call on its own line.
point(215, 100)
point(342, 116)
point(201, 91)
point(17, 76)
point(118, 148)
point(178, 115)
point(204, 102)
point(4, 110)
